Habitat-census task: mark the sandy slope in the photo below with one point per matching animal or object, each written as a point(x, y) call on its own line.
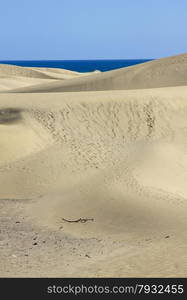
point(170, 71)
point(13, 77)
point(116, 159)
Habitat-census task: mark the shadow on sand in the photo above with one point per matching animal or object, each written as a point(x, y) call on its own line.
point(10, 115)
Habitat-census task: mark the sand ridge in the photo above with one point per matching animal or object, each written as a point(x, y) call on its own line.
point(12, 76)
point(116, 158)
point(165, 72)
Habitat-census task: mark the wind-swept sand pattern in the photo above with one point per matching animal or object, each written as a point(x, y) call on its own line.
point(93, 183)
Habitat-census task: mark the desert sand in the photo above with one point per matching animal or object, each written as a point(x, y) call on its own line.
point(14, 77)
point(93, 171)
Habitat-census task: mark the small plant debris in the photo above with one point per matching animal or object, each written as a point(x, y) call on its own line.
point(80, 220)
point(167, 237)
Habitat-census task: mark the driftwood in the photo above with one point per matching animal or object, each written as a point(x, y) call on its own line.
point(80, 220)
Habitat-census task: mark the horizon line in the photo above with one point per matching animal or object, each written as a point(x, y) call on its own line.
point(77, 59)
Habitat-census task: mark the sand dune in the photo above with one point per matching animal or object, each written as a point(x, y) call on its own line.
point(94, 129)
point(165, 72)
point(13, 77)
point(117, 160)
point(42, 73)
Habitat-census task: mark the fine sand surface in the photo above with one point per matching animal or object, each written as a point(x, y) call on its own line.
point(13, 77)
point(93, 180)
point(165, 72)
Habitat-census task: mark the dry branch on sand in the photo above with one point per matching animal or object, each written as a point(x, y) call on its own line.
point(80, 220)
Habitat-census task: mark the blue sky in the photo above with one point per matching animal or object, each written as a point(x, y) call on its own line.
point(92, 29)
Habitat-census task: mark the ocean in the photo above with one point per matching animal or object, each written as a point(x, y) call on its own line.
point(79, 65)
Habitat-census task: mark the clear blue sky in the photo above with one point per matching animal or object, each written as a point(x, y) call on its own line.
point(86, 29)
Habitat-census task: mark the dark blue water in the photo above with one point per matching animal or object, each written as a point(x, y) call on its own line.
point(79, 65)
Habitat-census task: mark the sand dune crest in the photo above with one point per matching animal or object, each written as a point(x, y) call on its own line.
point(117, 157)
